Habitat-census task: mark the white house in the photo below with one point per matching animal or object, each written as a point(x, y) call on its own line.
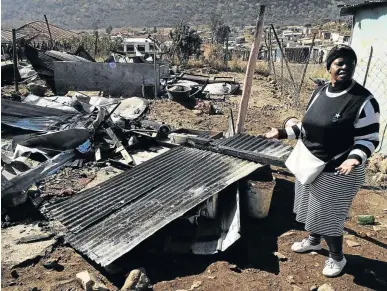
point(291, 35)
point(369, 30)
point(142, 45)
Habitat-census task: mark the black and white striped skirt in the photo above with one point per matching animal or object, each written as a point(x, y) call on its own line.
point(323, 205)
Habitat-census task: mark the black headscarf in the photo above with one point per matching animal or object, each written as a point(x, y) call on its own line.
point(338, 51)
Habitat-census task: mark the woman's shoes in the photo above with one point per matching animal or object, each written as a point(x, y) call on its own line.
point(333, 268)
point(305, 246)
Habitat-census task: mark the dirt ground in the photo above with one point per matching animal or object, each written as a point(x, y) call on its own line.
point(250, 264)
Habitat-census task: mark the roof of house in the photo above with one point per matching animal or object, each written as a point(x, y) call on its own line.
point(6, 36)
point(135, 40)
point(37, 30)
point(351, 9)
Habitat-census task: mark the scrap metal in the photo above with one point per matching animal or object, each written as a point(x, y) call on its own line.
point(109, 220)
point(244, 146)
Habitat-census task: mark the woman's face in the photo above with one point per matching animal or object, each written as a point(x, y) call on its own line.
point(342, 69)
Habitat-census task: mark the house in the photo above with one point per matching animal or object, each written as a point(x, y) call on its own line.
point(368, 30)
point(291, 35)
point(308, 41)
point(142, 45)
point(325, 34)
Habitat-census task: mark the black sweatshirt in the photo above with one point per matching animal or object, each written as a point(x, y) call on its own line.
point(339, 120)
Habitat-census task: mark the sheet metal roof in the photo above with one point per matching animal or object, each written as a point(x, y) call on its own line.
point(6, 36)
point(19, 109)
point(39, 28)
point(109, 220)
point(248, 147)
point(351, 9)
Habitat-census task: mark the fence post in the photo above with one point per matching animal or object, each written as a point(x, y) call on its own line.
point(49, 32)
point(269, 50)
point(96, 44)
point(282, 69)
point(250, 71)
point(304, 72)
point(14, 59)
point(368, 66)
point(286, 61)
point(271, 57)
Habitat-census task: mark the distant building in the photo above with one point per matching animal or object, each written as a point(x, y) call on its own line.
point(291, 35)
point(141, 45)
point(325, 34)
point(369, 29)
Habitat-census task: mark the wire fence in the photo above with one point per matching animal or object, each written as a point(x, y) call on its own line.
point(296, 71)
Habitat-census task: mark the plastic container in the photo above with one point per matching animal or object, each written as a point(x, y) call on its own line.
point(258, 196)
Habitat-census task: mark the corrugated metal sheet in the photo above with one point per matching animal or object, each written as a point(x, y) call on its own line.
point(39, 123)
point(351, 9)
point(257, 145)
point(33, 29)
point(19, 109)
point(252, 148)
point(109, 220)
point(6, 36)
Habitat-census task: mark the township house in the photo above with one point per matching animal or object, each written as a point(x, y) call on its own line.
point(368, 37)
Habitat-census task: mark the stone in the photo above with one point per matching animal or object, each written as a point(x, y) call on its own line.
point(196, 284)
point(288, 233)
point(14, 274)
point(211, 277)
point(313, 288)
point(352, 244)
point(325, 287)
point(89, 283)
point(136, 281)
point(379, 227)
point(313, 253)
point(37, 89)
point(290, 280)
point(365, 219)
point(350, 236)
point(296, 288)
point(280, 256)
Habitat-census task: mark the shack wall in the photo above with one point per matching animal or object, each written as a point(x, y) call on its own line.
point(115, 79)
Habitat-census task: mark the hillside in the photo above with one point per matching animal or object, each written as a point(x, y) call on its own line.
point(84, 14)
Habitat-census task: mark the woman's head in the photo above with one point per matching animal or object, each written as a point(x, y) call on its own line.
point(341, 63)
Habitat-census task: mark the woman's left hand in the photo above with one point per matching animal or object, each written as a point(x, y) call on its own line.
point(347, 166)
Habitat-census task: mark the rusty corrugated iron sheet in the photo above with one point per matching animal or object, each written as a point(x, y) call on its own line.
point(109, 220)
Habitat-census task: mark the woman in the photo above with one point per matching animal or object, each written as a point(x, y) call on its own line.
point(342, 117)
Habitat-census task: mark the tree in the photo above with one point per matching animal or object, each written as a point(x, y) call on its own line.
point(109, 30)
point(222, 33)
point(215, 22)
point(185, 42)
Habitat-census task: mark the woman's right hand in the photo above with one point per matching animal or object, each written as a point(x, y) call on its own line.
point(273, 133)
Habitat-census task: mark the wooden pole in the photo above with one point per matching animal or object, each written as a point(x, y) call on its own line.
point(49, 31)
point(96, 44)
point(285, 59)
point(250, 71)
point(14, 59)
